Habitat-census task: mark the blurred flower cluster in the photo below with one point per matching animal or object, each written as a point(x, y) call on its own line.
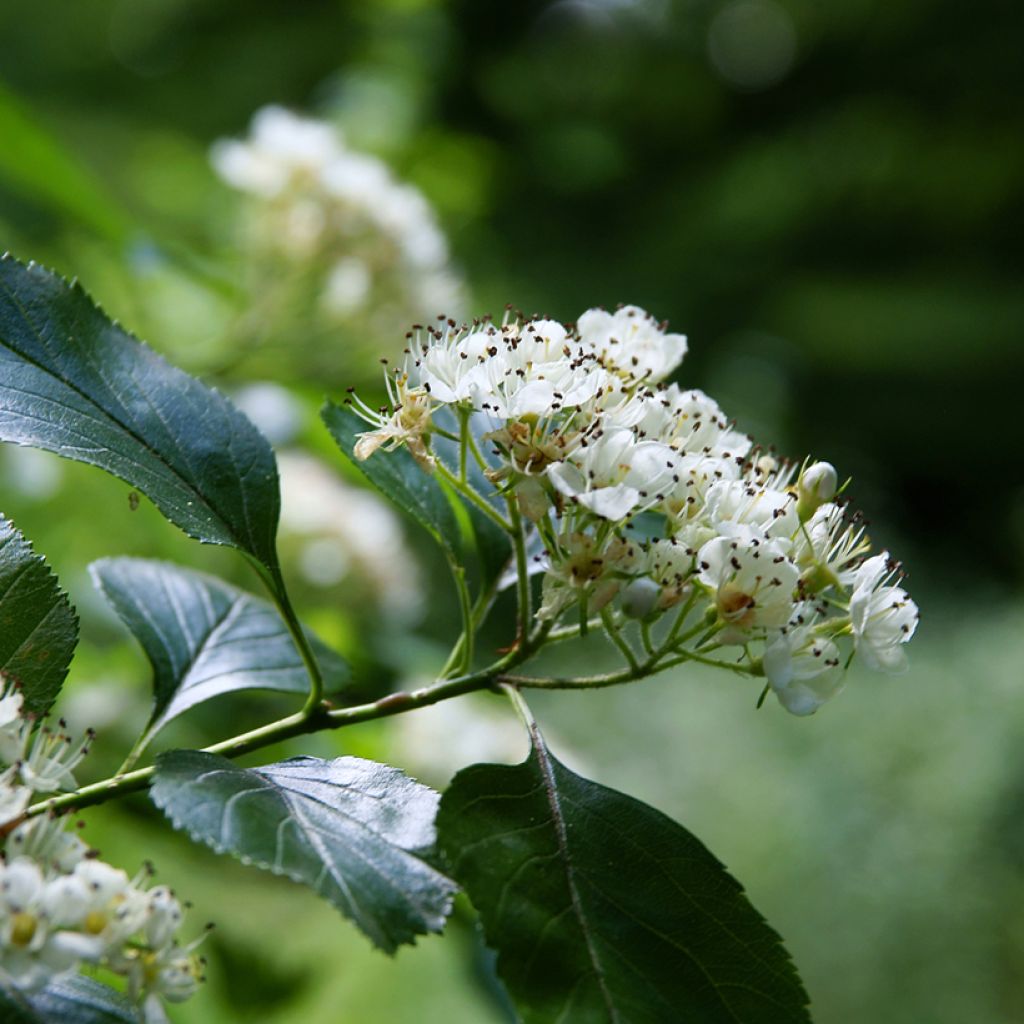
point(331, 238)
point(60, 906)
point(646, 501)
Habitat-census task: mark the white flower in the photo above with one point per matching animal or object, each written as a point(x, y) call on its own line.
point(13, 728)
point(49, 764)
point(615, 474)
point(632, 341)
point(803, 668)
point(771, 511)
point(407, 425)
point(13, 798)
point(751, 581)
point(282, 147)
point(826, 547)
point(671, 565)
point(47, 841)
point(883, 617)
point(688, 421)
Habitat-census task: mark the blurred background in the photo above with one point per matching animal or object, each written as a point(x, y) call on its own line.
point(827, 199)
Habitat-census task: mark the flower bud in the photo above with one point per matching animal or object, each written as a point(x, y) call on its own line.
point(818, 483)
point(640, 598)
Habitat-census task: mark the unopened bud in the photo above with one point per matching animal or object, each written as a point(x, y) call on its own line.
point(818, 483)
point(533, 501)
point(640, 597)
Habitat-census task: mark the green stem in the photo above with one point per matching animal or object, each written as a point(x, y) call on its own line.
point(524, 597)
point(645, 637)
point(617, 638)
point(471, 494)
point(463, 442)
point(275, 585)
point(462, 653)
point(300, 724)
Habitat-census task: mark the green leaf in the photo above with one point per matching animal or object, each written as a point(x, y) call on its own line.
point(492, 544)
point(350, 829)
point(74, 383)
point(204, 637)
point(36, 164)
point(398, 477)
point(605, 911)
point(70, 1000)
point(38, 626)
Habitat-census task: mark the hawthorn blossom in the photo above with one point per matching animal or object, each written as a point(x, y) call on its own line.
point(632, 341)
point(646, 500)
point(883, 617)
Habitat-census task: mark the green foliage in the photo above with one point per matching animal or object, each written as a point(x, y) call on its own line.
point(71, 1000)
point(204, 637)
point(602, 909)
point(39, 167)
point(352, 830)
point(38, 626)
point(398, 478)
point(75, 383)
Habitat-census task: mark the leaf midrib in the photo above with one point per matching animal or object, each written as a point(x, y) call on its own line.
point(561, 834)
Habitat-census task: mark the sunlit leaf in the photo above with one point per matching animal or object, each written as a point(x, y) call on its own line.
point(204, 637)
point(352, 830)
point(38, 626)
point(75, 383)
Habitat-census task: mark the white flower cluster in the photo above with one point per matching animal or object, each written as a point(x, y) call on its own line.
point(60, 906)
point(317, 200)
point(644, 494)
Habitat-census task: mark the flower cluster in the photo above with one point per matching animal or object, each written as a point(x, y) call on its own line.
point(318, 203)
point(648, 502)
point(60, 906)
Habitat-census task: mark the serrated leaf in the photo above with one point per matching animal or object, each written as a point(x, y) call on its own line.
point(70, 1000)
point(75, 383)
point(605, 911)
point(204, 637)
point(397, 476)
point(38, 626)
point(352, 830)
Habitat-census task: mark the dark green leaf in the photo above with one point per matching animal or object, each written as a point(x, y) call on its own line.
point(74, 383)
point(603, 910)
point(71, 1000)
point(493, 547)
point(38, 627)
point(204, 637)
point(352, 830)
point(397, 476)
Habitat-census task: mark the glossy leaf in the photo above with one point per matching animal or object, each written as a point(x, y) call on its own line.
point(204, 637)
point(352, 830)
point(74, 999)
point(38, 626)
point(397, 476)
point(604, 911)
point(75, 383)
